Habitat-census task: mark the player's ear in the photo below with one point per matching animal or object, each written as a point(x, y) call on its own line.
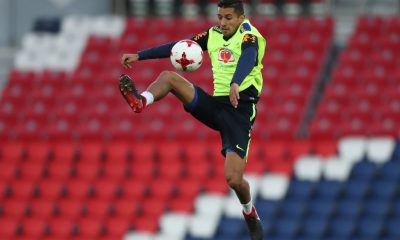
point(242, 17)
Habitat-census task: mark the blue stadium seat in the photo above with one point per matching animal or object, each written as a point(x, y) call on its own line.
point(396, 209)
point(267, 209)
point(370, 228)
point(342, 228)
point(356, 189)
point(231, 228)
point(376, 208)
point(286, 227)
point(329, 189)
point(384, 189)
point(300, 189)
point(321, 208)
point(293, 208)
point(390, 171)
point(349, 209)
point(314, 227)
point(396, 153)
point(393, 229)
point(364, 170)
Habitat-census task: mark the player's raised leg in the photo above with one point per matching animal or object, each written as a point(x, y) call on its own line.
point(165, 83)
point(234, 170)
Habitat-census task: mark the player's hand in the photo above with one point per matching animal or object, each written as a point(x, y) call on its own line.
point(234, 95)
point(128, 58)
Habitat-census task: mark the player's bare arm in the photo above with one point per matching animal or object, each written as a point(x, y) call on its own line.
point(128, 58)
point(234, 95)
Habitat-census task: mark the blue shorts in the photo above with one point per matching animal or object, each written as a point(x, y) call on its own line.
point(234, 124)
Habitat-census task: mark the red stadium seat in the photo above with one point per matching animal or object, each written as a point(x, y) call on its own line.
point(65, 152)
point(171, 170)
point(161, 189)
point(90, 228)
point(147, 224)
point(78, 188)
point(115, 170)
point(216, 185)
point(126, 208)
point(61, 227)
point(42, 208)
point(105, 189)
point(199, 170)
point(8, 171)
point(134, 188)
point(9, 227)
point(59, 170)
point(182, 204)
point(32, 171)
point(34, 227)
point(38, 152)
point(87, 170)
point(97, 208)
point(116, 228)
point(153, 208)
point(143, 171)
point(14, 208)
point(12, 151)
point(22, 188)
point(188, 187)
point(51, 189)
point(70, 208)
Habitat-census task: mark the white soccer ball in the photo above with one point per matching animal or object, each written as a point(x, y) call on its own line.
point(186, 56)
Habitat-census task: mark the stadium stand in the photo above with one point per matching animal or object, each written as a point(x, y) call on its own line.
point(74, 164)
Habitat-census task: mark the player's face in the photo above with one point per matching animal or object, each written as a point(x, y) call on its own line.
point(229, 20)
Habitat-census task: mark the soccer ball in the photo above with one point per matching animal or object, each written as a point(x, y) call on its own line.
point(186, 56)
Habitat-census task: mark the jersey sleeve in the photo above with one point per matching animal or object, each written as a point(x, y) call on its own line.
point(249, 40)
point(201, 39)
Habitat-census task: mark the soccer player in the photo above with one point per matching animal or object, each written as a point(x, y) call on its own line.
point(236, 49)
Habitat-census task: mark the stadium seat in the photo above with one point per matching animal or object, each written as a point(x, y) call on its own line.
point(352, 149)
point(42, 208)
point(126, 208)
point(231, 228)
point(174, 225)
point(336, 169)
point(314, 228)
point(8, 171)
point(61, 227)
point(328, 189)
point(380, 150)
point(340, 227)
point(14, 208)
point(90, 227)
point(348, 208)
point(308, 168)
point(293, 208)
point(364, 170)
point(70, 208)
point(34, 227)
point(376, 208)
point(202, 226)
point(300, 189)
point(79, 188)
point(321, 208)
point(287, 227)
point(23, 188)
point(274, 186)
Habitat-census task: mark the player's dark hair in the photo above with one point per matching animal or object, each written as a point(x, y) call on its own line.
point(237, 5)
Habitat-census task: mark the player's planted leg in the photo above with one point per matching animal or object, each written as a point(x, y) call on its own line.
point(234, 169)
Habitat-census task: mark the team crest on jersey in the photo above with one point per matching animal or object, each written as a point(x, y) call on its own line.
point(225, 55)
